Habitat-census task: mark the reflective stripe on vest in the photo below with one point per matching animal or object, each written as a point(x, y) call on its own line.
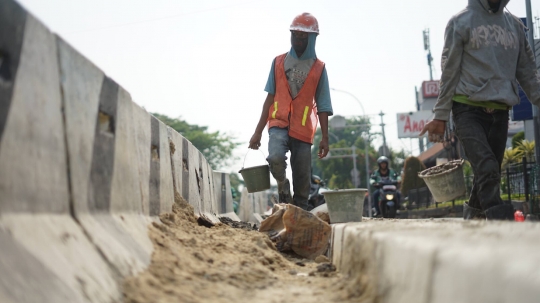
point(275, 110)
point(298, 114)
point(306, 110)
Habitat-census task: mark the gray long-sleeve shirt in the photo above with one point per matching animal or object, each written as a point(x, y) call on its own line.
point(484, 57)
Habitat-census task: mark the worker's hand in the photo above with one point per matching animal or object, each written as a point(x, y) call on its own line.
point(323, 148)
point(435, 130)
point(255, 141)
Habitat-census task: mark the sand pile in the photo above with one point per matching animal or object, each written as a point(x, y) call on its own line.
point(193, 263)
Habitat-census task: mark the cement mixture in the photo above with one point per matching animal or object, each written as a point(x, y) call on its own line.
point(193, 263)
point(443, 168)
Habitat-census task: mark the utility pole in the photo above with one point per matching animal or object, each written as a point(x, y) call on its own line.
point(427, 47)
point(420, 140)
point(536, 119)
point(367, 173)
point(355, 171)
point(383, 136)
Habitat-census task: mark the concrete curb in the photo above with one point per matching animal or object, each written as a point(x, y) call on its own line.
point(442, 260)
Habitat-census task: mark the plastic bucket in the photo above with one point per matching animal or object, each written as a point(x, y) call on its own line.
point(345, 205)
point(256, 178)
point(446, 181)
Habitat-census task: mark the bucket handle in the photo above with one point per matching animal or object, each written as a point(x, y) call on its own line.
point(243, 164)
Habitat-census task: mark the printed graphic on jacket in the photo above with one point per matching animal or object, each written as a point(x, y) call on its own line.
point(493, 35)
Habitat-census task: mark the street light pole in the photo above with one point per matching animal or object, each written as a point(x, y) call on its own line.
point(353, 155)
point(536, 118)
point(366, 142)
point(383, 136)
point(366, 149)
point(354, 97)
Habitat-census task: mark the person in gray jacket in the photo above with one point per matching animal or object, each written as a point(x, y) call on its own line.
point(485, 56)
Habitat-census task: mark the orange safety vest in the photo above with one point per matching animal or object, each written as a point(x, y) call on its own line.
point(300, 113)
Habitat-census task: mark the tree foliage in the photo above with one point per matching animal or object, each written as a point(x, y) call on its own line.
point(337, 171)
point(216, 147)
point(511, 155)
point(517, 138)
point(235, 184)
point(525, 149)
point(410, 179)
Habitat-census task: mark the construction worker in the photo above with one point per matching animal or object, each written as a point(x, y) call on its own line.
point(298, 97)
point(485, 55)
point(384, 172)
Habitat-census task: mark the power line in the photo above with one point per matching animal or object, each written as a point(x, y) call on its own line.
point(160, 18)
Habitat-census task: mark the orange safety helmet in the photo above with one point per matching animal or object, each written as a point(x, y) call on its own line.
point(305, 22)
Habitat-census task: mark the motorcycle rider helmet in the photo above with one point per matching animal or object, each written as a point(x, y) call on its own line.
point(315, 179)
point(383, 159)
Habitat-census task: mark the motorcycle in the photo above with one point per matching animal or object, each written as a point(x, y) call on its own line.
point(317, 187)
point(388, 197)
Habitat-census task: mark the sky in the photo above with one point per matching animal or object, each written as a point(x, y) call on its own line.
point(207, 61)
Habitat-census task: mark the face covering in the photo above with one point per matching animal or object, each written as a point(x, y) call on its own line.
point(299, 42)
point(494, 6)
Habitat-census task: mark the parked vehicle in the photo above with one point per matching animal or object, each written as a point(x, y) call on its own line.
point(315, 193)
point(388, 197)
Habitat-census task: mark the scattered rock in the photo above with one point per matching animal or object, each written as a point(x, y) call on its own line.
point(238, 224)
point(326, 267)
point(204, 222)
point(322, 259)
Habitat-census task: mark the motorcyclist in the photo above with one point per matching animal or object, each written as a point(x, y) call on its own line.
point(315, 196)
point(384, 172)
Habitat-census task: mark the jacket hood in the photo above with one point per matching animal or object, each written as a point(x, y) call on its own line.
point(484, 5)
point(309, 53)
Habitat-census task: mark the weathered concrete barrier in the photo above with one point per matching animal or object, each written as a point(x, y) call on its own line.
point(108, 172)
point(442, 260)
point(194, 179)
point(45, 255)
point(223, 195)
point(252, 205)
point(83, 171)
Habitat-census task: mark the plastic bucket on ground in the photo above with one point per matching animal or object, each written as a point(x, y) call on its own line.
point(446, 181)
point(256, 178)
point(345, 205)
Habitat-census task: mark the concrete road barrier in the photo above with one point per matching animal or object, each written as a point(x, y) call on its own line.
point(193, 177)
point(83, 171)
point(442, 261)
point(222, 192)
point(45, 254)
point(206, 190)
point(252, 206)
point(103, 157)
point(177, 166)
point(223, 196)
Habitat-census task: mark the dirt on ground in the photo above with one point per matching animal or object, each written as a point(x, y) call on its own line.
point(193, 263)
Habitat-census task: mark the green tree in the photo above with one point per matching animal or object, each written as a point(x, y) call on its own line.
point(410, 179)
point(517, 138)
point(511, 155)
point(235, 184)
point(337, 171)
point(526, 149)
point(216, 147)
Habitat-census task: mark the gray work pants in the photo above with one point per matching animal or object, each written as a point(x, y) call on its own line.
point(280, 143)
